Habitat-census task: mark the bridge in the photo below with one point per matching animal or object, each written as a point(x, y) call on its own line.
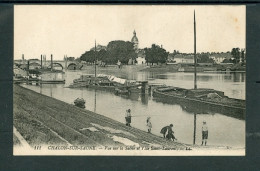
point(36, 64)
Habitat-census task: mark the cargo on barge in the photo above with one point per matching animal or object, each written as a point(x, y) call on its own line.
point(107, 83)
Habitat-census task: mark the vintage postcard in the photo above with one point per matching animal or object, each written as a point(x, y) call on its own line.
point(129, 80)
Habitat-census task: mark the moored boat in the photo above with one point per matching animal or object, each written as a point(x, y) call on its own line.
point(210, 99)
point(107, 83)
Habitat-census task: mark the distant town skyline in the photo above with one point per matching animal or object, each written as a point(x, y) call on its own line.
point(72, 29)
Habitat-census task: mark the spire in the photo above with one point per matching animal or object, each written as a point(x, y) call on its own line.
point(134, 33)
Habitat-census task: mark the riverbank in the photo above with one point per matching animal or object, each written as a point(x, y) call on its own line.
point(163, 68)
point(52, 124)
point(42, 120)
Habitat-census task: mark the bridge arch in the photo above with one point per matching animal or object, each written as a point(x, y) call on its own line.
point(72, 66)
point(34, 65)
point(55, 65)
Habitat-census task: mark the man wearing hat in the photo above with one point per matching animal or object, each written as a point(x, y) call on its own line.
point(170, 135)
point(204, 133)
point(169, 131)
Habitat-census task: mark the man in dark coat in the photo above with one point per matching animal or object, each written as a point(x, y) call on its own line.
point(169, 131)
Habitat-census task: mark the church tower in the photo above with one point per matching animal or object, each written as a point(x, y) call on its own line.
point(134, 40)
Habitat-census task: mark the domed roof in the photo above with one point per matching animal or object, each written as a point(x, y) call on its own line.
point(134, 38)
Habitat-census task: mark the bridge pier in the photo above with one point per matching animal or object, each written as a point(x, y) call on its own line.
point(65, 64)
point(66, 60)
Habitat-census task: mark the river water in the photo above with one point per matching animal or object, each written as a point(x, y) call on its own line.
point(223, 130)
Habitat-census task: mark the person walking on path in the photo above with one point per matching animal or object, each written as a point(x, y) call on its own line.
point(170, 135)
point(149, 124)
point(128, 117)
point(164, 131)
point(204, 133)
point(167, 130)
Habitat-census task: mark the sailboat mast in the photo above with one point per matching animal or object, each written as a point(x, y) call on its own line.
point(195, 57)
point(95, 61)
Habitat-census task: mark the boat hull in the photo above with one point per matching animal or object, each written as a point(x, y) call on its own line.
point(104, 88)
point(52, 82)
point(198, 106)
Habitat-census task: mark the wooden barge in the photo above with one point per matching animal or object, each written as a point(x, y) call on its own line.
point(40, 77)
point(107, 83)
point(201, 100)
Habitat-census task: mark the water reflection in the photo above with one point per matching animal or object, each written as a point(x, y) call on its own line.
point(198, 108)
point(144, 99)
point(223, 130)
point(204, 77)
point(95, 101)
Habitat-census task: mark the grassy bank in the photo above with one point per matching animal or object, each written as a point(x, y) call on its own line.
point(42, 120)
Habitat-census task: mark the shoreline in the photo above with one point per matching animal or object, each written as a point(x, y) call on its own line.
point(45, 121)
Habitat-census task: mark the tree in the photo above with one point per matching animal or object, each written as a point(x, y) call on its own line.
point(155, 54)
point(236, 54)
point(121, 50)
point(243, 57)
point(175, 52)
point(88, 56)
point(103, 56)
point(204, 58)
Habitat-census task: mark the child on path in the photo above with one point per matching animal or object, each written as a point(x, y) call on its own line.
point(149, 124)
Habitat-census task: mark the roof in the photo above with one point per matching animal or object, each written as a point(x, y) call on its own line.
point(221, 55)
point(134, 39)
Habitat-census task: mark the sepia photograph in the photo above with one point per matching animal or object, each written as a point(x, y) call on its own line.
point(129, 80)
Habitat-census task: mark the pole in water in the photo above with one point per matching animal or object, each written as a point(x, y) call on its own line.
point(95, 61)
point(195, 57)
point(28, 65)
point(41, 61)
point(95, 101)
point(194, 133)
point(51, 63)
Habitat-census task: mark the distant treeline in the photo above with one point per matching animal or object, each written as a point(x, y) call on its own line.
point(234, 56)
point(115, 51)
point(124, 52)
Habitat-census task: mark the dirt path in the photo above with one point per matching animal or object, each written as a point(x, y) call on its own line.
point(43, 120)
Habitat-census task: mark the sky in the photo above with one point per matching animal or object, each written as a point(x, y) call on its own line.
point(72, 29)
